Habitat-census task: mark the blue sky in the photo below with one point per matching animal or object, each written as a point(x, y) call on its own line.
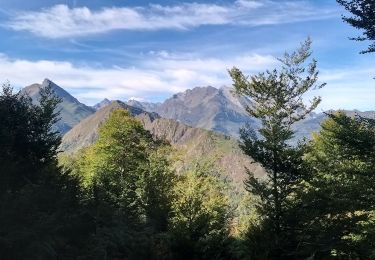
point(148, 50)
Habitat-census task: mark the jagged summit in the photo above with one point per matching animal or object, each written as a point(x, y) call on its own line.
point(147, 106)
point(59, 91)
point(102, 103)
point(209, 108)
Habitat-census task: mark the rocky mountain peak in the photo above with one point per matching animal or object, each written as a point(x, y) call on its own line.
point(103, 103)
point(208, 108)
point(71, 110)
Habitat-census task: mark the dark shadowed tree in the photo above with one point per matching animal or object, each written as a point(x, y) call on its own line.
point(39, 206)
point(363, 18)
point(28, 143)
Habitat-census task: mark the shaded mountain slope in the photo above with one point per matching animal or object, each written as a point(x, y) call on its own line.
point(71, 110)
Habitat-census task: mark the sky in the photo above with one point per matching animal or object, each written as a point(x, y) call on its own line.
point(149, 50)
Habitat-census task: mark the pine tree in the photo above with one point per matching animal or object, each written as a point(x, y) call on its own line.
point(364, 19)
point(277, 101)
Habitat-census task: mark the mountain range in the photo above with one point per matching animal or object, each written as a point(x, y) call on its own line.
point(201, 124)
point(204, 107)
point(209, 108)
point(192, 146)
point(224, 112)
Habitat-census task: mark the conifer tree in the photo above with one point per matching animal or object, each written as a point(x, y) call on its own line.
point(339, 198)
point(277, 102)
point(363, 18)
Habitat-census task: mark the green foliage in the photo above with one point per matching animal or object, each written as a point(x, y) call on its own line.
point(200, 226)
point(28, 143)
point(120, 198)
point(129, 188)
point(277, 101)
point(338, 199)
point(39, 209)
point(158, 195)
point(117, 160)
point(364, 19)
point(140, 208)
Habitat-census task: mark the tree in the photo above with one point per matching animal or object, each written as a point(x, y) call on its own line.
point(200, 226)
point(39, 205)
point(364, 19)
point(28, 142)
point(158, 195)
point(277, 101)
point(339, 197)
point(129, 186)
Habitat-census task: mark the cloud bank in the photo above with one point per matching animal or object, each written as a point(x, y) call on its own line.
point(61, 21)
point(161, 74)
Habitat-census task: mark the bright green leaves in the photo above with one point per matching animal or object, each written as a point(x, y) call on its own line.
point(200, 225)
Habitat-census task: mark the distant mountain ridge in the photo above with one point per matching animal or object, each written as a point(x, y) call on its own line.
point(146, 106)
point(71, 110)
point(204, 107)
point(224, 112)
point(102, 103)
point(193, 145)
point(209, 108)
point(85, 133)
point(217, 110)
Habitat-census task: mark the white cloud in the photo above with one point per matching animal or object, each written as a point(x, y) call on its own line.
point(163, 73)
point(348, 88)
point(249, 3)
point(160, 75)
point(60, 21)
